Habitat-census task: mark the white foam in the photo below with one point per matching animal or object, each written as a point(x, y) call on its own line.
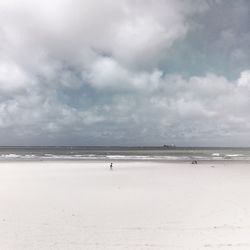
point(216, 154)
point(10, 156)
point(234, 155)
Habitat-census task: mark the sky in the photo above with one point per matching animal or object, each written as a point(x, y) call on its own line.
point(125, 72)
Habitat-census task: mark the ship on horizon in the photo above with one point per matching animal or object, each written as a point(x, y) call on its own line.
point(168, 146)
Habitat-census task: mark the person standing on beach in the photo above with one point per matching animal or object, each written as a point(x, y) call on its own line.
point(111, 166)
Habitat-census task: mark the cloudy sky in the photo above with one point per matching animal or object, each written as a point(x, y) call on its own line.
point(125, 72)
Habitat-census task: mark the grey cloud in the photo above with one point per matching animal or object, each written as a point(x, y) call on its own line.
point(191, 110)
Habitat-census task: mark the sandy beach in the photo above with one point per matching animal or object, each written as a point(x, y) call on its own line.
point(138, 205)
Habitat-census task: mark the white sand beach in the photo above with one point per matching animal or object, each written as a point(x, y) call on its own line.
point(139, 205)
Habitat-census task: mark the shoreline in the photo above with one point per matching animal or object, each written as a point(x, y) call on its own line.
point(124, 160)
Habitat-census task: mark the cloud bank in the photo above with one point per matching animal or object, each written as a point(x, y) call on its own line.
point(124, 72)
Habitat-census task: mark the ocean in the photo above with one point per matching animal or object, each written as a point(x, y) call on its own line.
point(124, 153)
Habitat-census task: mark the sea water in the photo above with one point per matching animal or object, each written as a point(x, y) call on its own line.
point(123, 153)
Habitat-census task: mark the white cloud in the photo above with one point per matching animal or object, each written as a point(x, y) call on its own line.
point(244, 80)
point(12, 78)
point(133, 32)
point(192, 109)
point(105, 73)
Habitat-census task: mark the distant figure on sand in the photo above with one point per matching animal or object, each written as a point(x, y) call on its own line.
point(194, 162)
point(111, 166)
